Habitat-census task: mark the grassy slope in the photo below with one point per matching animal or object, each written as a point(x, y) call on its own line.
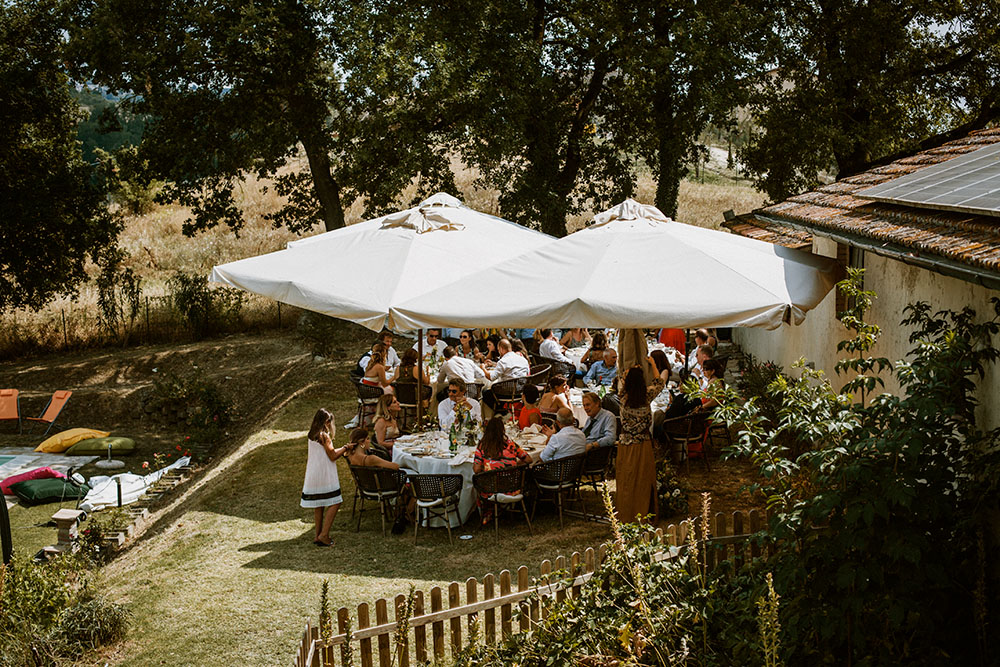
point(237, 576)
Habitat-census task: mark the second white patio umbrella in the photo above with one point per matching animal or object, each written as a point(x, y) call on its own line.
point(634, 268)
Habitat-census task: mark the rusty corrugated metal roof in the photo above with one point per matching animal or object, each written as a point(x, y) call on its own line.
point(963, 237)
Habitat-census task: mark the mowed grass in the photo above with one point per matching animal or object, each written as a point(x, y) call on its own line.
point(233, 576)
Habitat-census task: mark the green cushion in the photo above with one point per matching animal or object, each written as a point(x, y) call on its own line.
point(39, 491)
point(99, 446)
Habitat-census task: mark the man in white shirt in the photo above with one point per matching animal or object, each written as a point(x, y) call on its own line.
point(700, 338)
point(567, 441)
point(433, 341)
point(550, 347)
point(456, 396)
point(454, 367)
point(391, 357)
point(511, 365)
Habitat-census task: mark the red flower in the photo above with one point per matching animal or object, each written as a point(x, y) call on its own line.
point(179, 447)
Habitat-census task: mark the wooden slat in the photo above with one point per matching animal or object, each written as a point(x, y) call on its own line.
point(545, 571)
point(471, 597)
point(754, 528)
point(505, 610)
point(739, 548)
point(437, 629)
point(382, 618)
point(490, 630)
point(560, 565)
point(523, 585)
point(454, 602)
point(402, 650)
point(343, 618)
point(420, 631)
point(574, 570)
point(366, 644)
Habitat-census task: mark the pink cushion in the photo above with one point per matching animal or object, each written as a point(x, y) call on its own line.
point(37, 473)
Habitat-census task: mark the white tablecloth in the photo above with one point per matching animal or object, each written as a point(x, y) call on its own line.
point(427, 454)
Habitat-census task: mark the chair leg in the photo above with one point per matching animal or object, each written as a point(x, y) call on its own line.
point(524, 508)
point(361, 511)
point(447, 522)
point(559, 502)
point(416, 525)
point(496, 522)
point(381, 514)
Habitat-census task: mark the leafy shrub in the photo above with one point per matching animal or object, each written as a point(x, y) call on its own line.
point(880, 522)
point(91, 543)
point(672, 495)
point(198, 402)
point(48, 612)
point(205, 309)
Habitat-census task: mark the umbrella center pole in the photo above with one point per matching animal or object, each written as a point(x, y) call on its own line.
point(420, 379)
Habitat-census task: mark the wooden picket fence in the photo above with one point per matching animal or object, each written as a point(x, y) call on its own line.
point(486, 614)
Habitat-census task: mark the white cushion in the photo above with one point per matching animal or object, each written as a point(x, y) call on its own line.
point(505, 498)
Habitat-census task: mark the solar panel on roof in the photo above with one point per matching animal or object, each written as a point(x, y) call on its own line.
point(969, 183)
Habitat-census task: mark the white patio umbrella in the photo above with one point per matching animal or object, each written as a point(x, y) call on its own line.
point(359, 272)
point(634, 268)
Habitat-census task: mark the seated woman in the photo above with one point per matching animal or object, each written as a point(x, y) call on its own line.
point(386, 426)
point(492, 354)
point(358, 453)
point(577, 337)
point(517, 346)
point(556, 395)
point(408, 368)
point(376, 374)
point(467, 346)
point(662, 365)
point(712, 372)
point(598, 344)
point(530, 413)
point(496, 450)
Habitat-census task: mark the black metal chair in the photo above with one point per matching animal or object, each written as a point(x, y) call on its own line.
point(437, 496)
point(474, 390)
point(406, 394)
point(383, 485)
point(367, 399)
point(558, 477)
point(538, 374)
point(503, 487)
point(567, 370)
point(596, 464)
point(549, 419)
point(682, 431)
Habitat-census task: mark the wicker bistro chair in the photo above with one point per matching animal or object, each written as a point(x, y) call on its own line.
point(474, 390)
point(568, 371)
point(596, 463)
point(538, 374)
point(558, 476)
point(383, 485)
point(367, 399)
point(503, 487)
point(437, 496)
point(406, 394)
point(681, 432)
point(508, 392)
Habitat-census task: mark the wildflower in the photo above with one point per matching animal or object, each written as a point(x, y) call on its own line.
point(145, 465)
point(186, 437)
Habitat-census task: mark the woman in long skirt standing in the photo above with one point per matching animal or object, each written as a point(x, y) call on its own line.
point(635, 465)
point(321, 489)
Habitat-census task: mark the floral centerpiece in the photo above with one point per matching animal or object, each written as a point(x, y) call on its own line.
point(465, 429)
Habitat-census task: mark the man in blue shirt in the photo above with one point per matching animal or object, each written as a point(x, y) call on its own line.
point(601, 429)
point(604, 371)
point(567, 441)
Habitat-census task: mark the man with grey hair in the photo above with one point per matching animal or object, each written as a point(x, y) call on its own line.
point(567, 441)
point(601, 427)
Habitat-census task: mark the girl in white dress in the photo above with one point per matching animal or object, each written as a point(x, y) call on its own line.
point(321, 489)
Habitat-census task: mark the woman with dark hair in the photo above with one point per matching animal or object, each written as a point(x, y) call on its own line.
point(635, 464)
point(376, 374)
point(517, 346)
point(658, 358)
point(492, 353)
point(556, 395)
point(408, 368)
point(321, 488)
point(467, 345)
point(530, 414)
point(496, 450)
point(598, 344)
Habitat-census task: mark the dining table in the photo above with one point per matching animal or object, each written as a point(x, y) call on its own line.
point(428, 453)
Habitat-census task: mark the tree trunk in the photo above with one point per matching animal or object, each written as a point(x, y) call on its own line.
point(327, 188)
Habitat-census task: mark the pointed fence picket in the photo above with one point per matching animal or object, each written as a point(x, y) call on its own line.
point(488, 607)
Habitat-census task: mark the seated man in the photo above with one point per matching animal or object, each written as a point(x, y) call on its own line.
point(550, 347)
point(456, 396)
point(604, 371)
point(700, 338)
point(433, 341)
point(510, 366)
point(391, 356)
point(702, 353)
point(568, 440)
point(601, 429)
point(455, 367)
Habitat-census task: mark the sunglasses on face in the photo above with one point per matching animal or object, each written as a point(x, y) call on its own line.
point(453, 391)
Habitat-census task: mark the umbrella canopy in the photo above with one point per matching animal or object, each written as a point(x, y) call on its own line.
point(359, 272)
point(635, 268)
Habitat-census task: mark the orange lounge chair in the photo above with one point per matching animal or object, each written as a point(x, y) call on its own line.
point(52, 410)
point(10, 406)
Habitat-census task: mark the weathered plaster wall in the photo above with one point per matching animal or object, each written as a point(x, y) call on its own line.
point(897, 285)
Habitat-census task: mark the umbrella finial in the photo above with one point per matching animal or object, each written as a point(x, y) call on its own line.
point(630, 209)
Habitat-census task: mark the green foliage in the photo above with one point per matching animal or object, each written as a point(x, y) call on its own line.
point(865, 369)
point(91, 542)
point(48, 612)
point(672, 494)
point(878, 518)
point(206, 310)
point(203, 407)
point(54, 216)
point(107, 126)
point(118, 294)
point(857, 81)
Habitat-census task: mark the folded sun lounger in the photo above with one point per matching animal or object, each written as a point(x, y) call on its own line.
point(10, 406)
point(52, 409)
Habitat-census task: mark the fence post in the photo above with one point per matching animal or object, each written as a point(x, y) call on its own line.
point(505, 610)
point(490, 614)
point(62, 311)
point(419, 632)
point(471, 597)
point(342, 622)
point(455, 601)
point(381, 618)
point(739, 548)
point(560, 566)
point(544, 571)
point(437, 628)
point(366, 644)
point(403, 649)
point(522, 586)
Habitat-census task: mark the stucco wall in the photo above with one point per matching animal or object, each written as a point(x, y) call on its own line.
point(897, 285)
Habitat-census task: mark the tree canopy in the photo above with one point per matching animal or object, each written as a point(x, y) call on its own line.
point(54, 212)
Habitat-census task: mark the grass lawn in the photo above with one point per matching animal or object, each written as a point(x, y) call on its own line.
point(233, 576)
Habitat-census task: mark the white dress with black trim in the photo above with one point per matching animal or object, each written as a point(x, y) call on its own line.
point(322, 484)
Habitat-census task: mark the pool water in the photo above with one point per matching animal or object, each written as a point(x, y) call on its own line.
point(4, 459)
